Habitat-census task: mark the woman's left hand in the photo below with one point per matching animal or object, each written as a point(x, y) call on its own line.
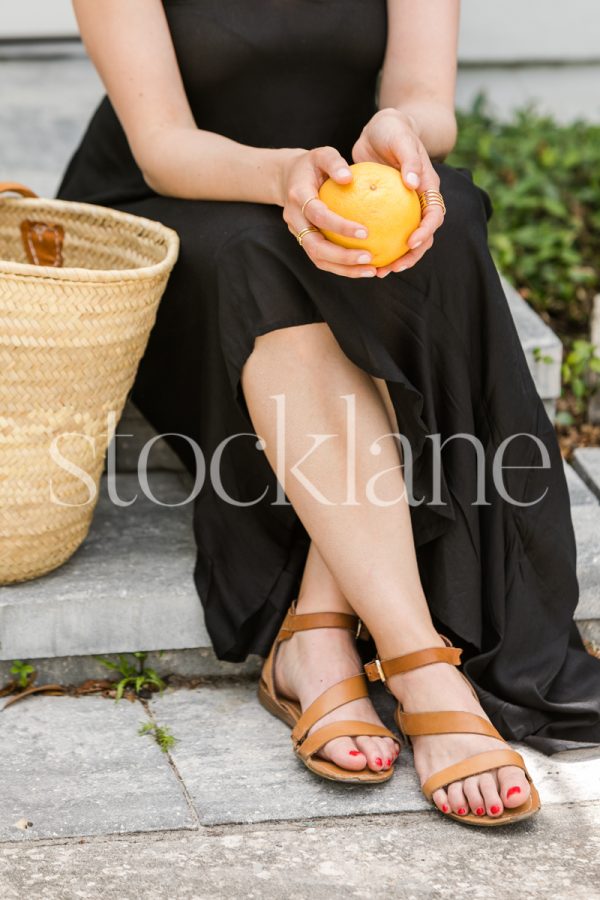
point(390, 138)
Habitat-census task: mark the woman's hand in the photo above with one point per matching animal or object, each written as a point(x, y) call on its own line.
point(390, 137)
point(302, 176)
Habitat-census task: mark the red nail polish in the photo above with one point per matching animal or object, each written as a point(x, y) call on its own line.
point(462, 811)
point(513, 790)
point(494, 809)
point(480, 811)
point(353, 752)
point(378, 761)
point(444, 808)
point(389, 762)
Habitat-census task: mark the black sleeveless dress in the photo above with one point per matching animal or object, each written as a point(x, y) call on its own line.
point(500, 578)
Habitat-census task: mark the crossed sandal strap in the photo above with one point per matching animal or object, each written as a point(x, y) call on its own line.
point(322, 736)
point(294, 622)
point(382, 669)
point(473, 765)
point(353, 688)
point(446, 722)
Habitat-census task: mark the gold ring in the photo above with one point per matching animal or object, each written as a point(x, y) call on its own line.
point(306, 202)
point(305, 231)
point(432, 198)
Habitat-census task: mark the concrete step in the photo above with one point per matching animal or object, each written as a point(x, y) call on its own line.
point(130, 587)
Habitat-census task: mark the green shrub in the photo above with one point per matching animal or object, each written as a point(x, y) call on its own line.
point(544, 182)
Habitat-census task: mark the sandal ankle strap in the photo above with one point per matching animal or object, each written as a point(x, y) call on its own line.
point(382, 669)
point(294, 622)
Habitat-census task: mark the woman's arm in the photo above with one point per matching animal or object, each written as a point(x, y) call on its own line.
point(130, 45)
point(416, 120)
point(419, 71)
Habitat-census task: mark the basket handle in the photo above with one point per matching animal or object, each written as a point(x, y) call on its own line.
point(42, 241)
point(14, 187)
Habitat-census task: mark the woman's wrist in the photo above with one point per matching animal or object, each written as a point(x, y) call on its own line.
point(285, 157)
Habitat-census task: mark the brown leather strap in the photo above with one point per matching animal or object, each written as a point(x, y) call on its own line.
point(381, 670)
point(43, 242)
point(294, 622)
point(13, 187)
point(473, 765)
point(353, 688)
point(446, 722)
point(322, 736)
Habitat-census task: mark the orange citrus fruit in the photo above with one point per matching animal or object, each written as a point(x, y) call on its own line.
point(378, 199)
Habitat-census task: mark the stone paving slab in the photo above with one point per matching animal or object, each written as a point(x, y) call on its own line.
point(579, 492)
point(586, 461)
point(586, 521)
point(237, 764)
point(77, 766)
point(416, 856)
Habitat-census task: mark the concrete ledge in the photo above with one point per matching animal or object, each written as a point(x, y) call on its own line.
point(128, 587)
point(538, 342)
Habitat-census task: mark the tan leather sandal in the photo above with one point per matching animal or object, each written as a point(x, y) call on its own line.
point(450, 722)
point(289, 711)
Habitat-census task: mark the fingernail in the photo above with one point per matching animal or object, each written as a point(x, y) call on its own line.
point(364, 258)
point(444, 807)
point(389, 762)
point(417, 245)
point(412, 178)
point(462, 811)
point(360, 233)
point(494, 810)
point(367, 274)
point(343, 172)
point(378, 761)
point(353, 752)
point(480, 811)
point(402, 268)
point(513, 790)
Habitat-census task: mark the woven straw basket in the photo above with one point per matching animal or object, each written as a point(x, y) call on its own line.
point(79, 291)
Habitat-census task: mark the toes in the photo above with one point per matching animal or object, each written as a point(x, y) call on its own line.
point(474, 796)
point(344, 752)
point(514, 787)
point(375, 755)
point(440, 798)
point(390, 752)
point(488, 786)
point(457, 799)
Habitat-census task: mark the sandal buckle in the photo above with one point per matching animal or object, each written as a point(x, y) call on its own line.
point(379, 668)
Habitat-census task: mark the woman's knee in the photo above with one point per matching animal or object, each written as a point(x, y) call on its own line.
point(303, 344)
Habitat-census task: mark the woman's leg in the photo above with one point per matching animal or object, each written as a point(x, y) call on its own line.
point(367, 545)
point(313, 660)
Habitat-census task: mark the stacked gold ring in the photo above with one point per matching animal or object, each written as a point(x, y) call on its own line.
point(432, 198)
point(306, 202)
point(305, 231)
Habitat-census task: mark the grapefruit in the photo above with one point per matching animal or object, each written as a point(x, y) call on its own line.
point(378, 199)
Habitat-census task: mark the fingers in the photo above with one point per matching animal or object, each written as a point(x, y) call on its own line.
point(339, 260)
point(317, 213)
point(333, 164)
point(407, 149)
point(432, 218)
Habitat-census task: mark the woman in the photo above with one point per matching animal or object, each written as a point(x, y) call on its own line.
point(224, 119)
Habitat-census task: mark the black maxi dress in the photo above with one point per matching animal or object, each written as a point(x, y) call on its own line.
point(500, 578)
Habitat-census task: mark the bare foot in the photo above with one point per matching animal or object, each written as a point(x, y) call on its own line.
point(312, 661)
point(441, 687)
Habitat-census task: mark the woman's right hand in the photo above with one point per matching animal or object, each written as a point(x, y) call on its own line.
point(302, 176)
